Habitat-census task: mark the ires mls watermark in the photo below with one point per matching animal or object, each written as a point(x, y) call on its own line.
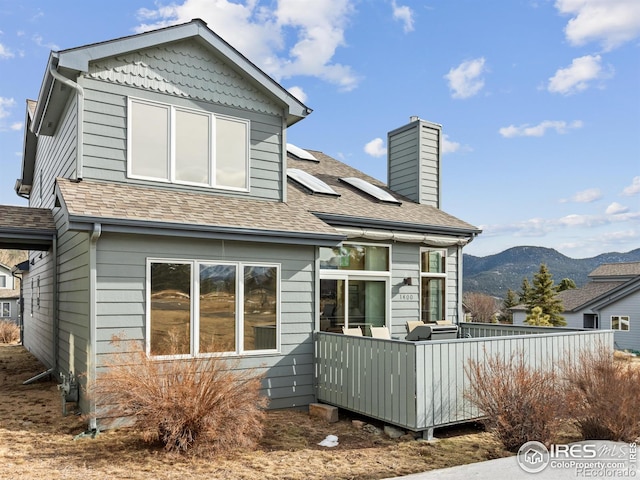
point(588, 459)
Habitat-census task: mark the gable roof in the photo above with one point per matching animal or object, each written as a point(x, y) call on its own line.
point(128, 208)
point(578, 298)
point(622, 269)
point(354, 208)
point(72, 61)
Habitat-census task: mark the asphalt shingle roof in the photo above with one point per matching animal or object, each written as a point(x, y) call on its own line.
point(628, 269)
point(128, 202)
point(354, 203)
point(21, 218)
point(575, 298)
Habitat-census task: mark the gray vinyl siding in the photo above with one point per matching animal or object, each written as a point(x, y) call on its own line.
point(121, 277)
point(38, 307)
point(105, 139)
point(73, 302)
point(414, 162)
point(630, 306)
point(405, 299)
point(55, 157)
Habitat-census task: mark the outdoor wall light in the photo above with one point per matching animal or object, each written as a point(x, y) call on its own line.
point(407, 281)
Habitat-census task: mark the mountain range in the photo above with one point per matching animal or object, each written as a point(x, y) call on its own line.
point(494, 274)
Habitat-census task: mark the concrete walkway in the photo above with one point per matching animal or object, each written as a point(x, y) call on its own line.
point(507, 468)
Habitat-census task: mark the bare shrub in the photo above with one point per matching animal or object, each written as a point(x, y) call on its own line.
point(520, 403)
point(603, 394)
point(202, 404)
point(9, 332)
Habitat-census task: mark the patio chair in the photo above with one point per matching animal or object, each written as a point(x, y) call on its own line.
point(411, 324)
point(380, 332)
point(354, 331)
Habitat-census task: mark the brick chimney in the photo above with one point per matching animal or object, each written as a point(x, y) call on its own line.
point(413, 158)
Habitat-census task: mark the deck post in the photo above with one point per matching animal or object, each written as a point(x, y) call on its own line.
point(428, 434)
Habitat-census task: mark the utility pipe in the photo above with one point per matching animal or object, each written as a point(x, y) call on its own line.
point(93, 304)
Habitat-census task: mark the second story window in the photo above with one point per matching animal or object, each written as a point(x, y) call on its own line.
point(179, 145)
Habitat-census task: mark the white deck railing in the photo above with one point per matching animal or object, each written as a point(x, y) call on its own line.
point(420, 385)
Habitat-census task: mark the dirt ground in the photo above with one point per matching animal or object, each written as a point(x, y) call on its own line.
point(38, 442)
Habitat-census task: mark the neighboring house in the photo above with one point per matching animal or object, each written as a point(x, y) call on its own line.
point(610, 300)
point(9, 296)
point(183, 220)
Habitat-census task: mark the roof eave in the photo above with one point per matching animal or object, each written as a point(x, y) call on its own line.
point(118, 225)
point(347, 221)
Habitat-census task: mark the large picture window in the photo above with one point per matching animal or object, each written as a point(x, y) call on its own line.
point(620, 322)
point(180, 145)
point(354, 287)
point(204, 308)
point(433, 280)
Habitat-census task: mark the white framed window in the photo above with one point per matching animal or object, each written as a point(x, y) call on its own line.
point(167, 143)
point(433, 284)
point(354, 286)
point(202, 308)
point(3, 281)
point(5, 311)
point(620, 323)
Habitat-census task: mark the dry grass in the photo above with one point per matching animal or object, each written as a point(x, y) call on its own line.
point(196, 404)
point(520, 403)
point(9, 332)
point(36, 441)
point(602, 392)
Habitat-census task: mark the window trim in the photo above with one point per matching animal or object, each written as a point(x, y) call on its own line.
point(443, 275)
point(171, 134)
point(2, 304)
point(194, 324)
point(358, 275)
point(627, 321)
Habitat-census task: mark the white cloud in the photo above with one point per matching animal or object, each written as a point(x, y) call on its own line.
point(449, 146)
point(404, 14)
point(632, 189)
point(5, 52)
point(615, 209)
point(576, 77)
point(260, 33)
point(5, 105)
point(376, 148)
point(17, 126)
point(609, 22)
point(526, 130)
point(38, 40)
point(466, 80)
point(298, 92)
point(585, 196)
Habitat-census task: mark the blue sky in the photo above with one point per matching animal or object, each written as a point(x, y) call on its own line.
point(539, 100)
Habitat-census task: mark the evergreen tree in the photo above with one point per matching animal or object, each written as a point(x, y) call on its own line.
point(509, 301)
point(525, 292)
point(565, 284)
point(537, 318)
point(543, 294)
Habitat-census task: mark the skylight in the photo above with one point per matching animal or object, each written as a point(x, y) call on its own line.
point(300, 153)
point(370, 189)
point(309, 181)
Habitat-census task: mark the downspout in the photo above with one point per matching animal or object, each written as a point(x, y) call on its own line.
point(459, 282)
point(56, 319)
point(93, 283)
point(79, 117)
point(20, 305)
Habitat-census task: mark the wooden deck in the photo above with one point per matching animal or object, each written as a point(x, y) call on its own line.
point(419, 385)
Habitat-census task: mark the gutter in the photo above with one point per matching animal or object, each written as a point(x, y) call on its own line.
point(93, 305)
point(79, 116)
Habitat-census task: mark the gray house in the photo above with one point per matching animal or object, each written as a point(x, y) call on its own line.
point(183, 219)
point(9, 296)
point(610, 300)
